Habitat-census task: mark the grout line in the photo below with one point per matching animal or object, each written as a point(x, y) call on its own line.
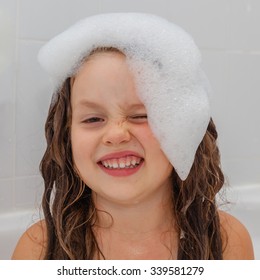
point(15, 87)
point(33, 40)
point(3, 179)
point(231, 51)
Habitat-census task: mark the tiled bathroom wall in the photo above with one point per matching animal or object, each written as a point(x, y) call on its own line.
point(227, 32)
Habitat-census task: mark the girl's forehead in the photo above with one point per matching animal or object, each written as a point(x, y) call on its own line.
point(105, 77)
point(104, 62)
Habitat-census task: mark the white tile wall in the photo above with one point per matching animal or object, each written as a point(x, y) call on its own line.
point(244, 25)
point(7, 82)
point(27, 192)
point(227, 31)
point(32, 102)
point(6, 195)
point(42, 19)
point(7, 102)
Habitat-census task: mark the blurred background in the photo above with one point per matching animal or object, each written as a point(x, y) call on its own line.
point(226, 31)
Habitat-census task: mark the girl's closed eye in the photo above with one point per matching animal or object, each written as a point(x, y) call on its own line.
point(139, 118)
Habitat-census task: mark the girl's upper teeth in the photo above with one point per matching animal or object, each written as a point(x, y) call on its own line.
point(125, 162)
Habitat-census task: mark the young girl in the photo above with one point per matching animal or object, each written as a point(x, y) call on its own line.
point(131, 168)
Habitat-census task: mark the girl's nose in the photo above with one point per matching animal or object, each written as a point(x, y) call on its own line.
point(116, 133)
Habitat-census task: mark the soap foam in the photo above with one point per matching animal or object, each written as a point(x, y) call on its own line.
point(166, 65)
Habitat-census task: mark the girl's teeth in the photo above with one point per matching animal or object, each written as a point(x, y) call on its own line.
point(127, 162)
point(115, 164)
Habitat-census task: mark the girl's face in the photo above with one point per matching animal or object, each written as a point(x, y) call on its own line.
point(113, 147)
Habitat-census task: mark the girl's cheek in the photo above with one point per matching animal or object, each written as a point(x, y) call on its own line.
point(144, 133)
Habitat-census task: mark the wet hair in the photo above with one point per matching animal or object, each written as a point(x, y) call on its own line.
point(70, 213)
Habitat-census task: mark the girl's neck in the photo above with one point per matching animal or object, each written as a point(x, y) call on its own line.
point(139, 231)
point(153, 214)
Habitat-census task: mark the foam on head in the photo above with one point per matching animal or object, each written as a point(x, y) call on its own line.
point(166, 65)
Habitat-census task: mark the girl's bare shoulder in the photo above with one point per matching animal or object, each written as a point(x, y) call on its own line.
point(32, 244)
point(237, 242)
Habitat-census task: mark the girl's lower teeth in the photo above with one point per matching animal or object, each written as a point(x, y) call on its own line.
point(126, 167)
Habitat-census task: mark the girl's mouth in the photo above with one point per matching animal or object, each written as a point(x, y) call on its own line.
point(122, 166)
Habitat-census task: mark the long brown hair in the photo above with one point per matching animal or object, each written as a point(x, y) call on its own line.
point(70, 214)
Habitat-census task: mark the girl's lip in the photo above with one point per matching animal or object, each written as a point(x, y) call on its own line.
point(117, 155)
point(120, 172)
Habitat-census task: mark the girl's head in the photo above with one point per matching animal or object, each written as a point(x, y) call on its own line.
point(166, 68)
point(118, 109)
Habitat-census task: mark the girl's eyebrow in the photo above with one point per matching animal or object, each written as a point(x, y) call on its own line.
point(137, 106)
point(90, 104)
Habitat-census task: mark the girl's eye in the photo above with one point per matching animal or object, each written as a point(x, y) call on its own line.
point(93, 120)
point(139, 118)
